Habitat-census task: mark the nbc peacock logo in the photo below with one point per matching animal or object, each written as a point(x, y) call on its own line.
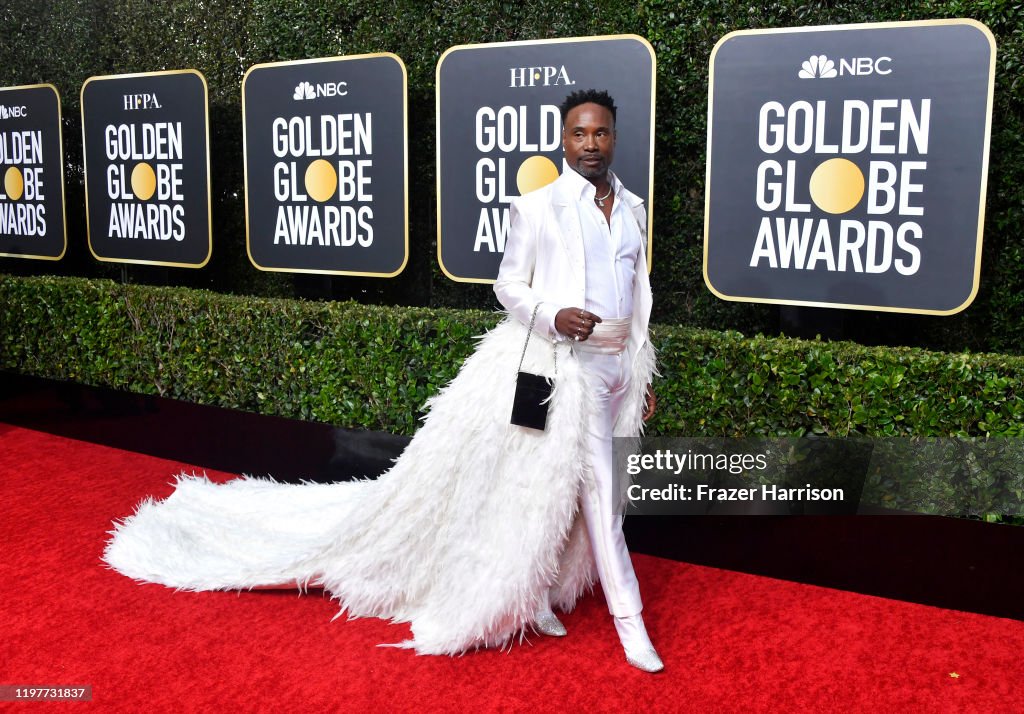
point(12, 112)
point(305, 90)
point(817, 67)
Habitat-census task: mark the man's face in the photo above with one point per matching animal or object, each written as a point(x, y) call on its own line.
point(589, 140)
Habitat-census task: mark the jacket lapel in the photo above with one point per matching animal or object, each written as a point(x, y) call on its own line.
point(569, 231)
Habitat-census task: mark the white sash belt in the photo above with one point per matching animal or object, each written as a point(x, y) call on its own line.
point(608, 338)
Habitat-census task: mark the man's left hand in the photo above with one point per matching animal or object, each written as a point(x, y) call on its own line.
point(652, 404)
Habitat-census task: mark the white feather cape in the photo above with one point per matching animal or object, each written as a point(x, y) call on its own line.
point(462, 537)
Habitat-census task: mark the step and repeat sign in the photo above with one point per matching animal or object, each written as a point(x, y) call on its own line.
point(499, 133)
point(147, 168)
point(847, 165)
point(32, 223)
point(326, 187)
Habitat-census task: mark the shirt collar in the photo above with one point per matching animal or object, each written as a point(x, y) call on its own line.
point(583, 189)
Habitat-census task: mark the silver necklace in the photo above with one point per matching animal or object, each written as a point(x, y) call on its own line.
point(601, 199)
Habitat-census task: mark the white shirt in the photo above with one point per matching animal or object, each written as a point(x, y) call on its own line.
point(611, 250)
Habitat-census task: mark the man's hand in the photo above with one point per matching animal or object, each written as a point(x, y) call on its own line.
point(652, 404)
point(575, 323)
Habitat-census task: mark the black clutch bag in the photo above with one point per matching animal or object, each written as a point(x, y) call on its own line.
point(533, 391)
point(530, 406)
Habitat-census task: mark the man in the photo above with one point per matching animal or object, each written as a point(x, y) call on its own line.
point(475, 531)
point(576, 256)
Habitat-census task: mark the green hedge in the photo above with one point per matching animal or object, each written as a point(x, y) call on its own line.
point(370, 366)
point(338, 362)
point(65, 41)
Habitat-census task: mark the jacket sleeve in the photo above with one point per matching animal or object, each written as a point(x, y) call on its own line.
point(515, 276)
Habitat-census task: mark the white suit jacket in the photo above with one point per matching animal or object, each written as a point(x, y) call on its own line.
point(544, 260)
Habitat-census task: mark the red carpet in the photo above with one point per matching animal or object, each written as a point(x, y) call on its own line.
point(731, 642)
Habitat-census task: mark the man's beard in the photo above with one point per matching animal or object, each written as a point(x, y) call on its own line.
point(591, 171)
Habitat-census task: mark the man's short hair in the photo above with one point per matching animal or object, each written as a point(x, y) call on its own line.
point(587, 96)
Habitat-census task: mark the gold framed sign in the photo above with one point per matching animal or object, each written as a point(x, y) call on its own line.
point(32, 214)
point(326, 165)
point(147, 168)
point(499, 133)
point(847, 165)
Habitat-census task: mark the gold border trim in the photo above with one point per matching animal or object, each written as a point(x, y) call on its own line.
point(209, 178)
point(984, 162)
point(63, 192)
point(405, 162)
point(561, 40)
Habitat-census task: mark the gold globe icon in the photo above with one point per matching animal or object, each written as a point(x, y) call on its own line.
point(321, 180)
point(536, 172)
point(837, 186)
point(14, 183)
point(143, 181)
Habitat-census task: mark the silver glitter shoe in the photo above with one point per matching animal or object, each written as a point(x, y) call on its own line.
point(547, 624)
point(648, 661)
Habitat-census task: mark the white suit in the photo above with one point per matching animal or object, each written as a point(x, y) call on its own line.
point(544, 260)
point(545, 264)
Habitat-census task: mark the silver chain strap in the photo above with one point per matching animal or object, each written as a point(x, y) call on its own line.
point(529, 331)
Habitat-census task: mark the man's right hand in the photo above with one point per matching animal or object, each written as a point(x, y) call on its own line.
point(575, 323)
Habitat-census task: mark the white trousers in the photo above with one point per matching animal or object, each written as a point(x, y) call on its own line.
point(608, 378)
